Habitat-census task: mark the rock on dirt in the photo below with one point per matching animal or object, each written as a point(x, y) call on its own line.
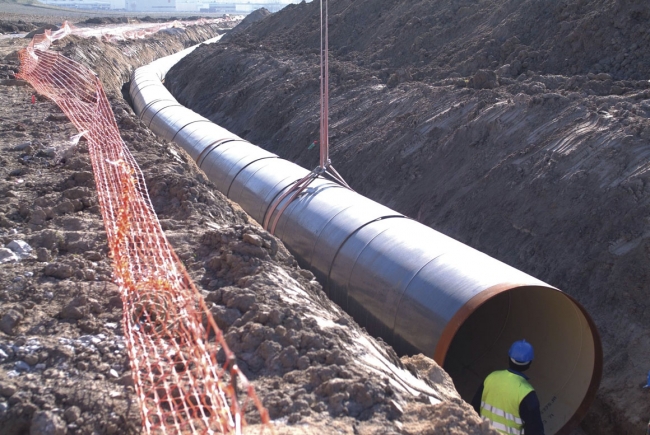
point(20, 248)
point(8, 256)
point(9, 321)
point(47, 423)
point(483, 79)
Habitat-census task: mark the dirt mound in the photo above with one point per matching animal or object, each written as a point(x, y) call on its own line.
point(15, 26)
point(107, 20)
point(519, 128)
point(41, 30)
point(249, 20)
point(462, 36)
point(150, 19)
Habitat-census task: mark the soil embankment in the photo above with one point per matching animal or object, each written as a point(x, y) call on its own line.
point(63, 362)
point(517, 127)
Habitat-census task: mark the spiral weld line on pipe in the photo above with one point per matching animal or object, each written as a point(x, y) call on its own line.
point(172, 348)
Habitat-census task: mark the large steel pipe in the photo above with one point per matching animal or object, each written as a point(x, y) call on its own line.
point(416, 288)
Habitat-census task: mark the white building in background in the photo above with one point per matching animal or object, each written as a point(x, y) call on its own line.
point(87, 4)
point(245, 6)
point(151, 5)
point(226, 6)
point(189, 5)
point(165, 5)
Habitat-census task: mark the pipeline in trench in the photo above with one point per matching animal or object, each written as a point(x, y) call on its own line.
point(418, 289)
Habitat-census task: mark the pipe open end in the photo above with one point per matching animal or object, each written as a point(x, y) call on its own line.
point(568, 354)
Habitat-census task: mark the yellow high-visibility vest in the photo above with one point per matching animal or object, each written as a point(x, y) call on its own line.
point(503, 392)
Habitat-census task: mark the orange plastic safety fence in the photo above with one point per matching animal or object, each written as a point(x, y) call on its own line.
point(173, 342)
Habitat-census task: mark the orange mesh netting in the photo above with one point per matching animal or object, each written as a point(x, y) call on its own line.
point(171, 336)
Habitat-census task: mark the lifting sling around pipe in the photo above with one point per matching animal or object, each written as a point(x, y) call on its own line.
point(419, 290)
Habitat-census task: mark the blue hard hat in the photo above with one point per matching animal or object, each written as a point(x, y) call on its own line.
point(521, 352)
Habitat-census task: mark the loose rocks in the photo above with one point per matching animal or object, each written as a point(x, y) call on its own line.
point(47, 423)
point(9, 321)
point(8, 256)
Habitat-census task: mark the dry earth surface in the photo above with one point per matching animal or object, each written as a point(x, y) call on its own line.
point(63, 363)
point(519, 127)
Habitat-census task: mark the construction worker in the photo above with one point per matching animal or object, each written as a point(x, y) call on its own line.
point(507, 399)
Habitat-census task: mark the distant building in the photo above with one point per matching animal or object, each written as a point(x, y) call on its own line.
point(87, 4)
point(245, 7)
point(151, 5)
point(189, 5)
point(222, 6)
point(165, 5)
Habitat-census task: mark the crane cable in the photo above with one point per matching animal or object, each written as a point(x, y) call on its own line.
point(324, 90)
point(324, 168)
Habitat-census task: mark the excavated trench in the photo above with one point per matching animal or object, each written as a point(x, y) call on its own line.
point(417, 289)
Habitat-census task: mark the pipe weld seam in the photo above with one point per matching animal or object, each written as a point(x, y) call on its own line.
point(189, 123)
point(244, 167)
point(148, 106)
point(160, 110)
point(329, 272)
point(140, 88)
point(213, 146)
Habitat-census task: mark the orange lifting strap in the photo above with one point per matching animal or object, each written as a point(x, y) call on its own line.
point(325, 167)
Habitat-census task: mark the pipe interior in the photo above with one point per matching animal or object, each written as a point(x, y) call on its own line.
point(566, 363)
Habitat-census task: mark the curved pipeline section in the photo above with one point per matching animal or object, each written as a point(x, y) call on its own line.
point(418, 289)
